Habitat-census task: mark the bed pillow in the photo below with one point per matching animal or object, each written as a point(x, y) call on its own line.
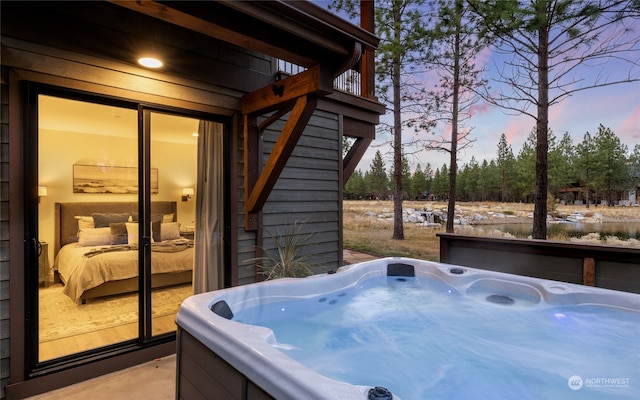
point(94, 237)
point(119, 233)
point(170, 231)
point(167, 218)
point(85, 222)
point(155, 231)
point(101, 220)
point(132, 233)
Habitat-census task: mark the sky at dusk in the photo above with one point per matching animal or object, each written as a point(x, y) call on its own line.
point(616, 107)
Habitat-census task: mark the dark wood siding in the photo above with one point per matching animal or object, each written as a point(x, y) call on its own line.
point(308, 190)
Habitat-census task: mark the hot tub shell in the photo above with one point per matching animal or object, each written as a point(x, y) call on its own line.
point(224, 359)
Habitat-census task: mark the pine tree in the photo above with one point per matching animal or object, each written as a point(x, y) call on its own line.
point(547, 40)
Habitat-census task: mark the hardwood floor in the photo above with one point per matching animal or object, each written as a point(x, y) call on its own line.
point(92, 340)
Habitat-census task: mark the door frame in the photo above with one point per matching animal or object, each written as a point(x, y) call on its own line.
point(28, 377)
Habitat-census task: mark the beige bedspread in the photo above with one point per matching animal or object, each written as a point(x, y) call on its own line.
point(83, 268)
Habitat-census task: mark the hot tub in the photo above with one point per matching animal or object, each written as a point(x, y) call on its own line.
point(409, 329)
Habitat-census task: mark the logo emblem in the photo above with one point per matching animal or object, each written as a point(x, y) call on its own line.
point(575, 382)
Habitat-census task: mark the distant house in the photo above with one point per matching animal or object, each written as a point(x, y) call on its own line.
point(238, 134)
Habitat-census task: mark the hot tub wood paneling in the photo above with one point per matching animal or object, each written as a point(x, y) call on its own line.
point(201, 374)
point(608, 267)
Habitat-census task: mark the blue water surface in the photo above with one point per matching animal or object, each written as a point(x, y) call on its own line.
point(422, 339)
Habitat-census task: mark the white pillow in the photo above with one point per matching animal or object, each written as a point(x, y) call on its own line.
point(167, 218)
point(132, 233)
point(84, 222)
point(94, 237)
point(170, 231)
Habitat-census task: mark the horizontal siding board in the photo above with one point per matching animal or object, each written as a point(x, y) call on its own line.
point(304, 193)
point(297, 185)
point(306, 227)
point(319, 163)
point(305, 144)
point(301, 208)
point(309, 173)
point(273, 219)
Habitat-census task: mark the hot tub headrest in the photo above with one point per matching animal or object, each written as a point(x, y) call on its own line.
point(400, 269)
point(222, 309)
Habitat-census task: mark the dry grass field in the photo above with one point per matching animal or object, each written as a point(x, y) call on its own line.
point(373, 235)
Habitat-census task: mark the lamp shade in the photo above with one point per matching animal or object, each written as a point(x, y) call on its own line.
point(42, 191)
point(187, 191)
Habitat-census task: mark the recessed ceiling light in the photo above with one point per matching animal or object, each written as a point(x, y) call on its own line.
point(150, 62)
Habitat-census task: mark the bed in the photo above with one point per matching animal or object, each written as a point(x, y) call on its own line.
point(96, 248)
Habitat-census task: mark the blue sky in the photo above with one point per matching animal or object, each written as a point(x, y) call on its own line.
point(616, 107)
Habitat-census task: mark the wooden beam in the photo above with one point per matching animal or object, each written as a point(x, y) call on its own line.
point(354, 156)
point(367, 66)
point(300, 114)
point(196, 24)
point(317, 80)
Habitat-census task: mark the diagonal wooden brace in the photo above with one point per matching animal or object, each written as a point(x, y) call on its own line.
point(259, 192)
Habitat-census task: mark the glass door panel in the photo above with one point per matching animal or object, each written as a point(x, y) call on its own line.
point(87, 159)
point(174, 141)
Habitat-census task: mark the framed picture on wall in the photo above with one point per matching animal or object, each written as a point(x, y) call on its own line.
point(104, 179)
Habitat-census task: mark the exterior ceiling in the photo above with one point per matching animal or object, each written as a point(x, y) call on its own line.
point(295, 31)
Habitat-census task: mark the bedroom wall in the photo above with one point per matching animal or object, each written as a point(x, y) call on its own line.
point(176, 163)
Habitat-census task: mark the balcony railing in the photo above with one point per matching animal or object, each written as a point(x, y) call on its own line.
point(349, 82)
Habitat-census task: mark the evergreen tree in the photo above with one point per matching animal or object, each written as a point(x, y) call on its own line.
point(378, 177)
point(440, 186)
point(525, 168)
point(505, 165)
point(634, 174)
point(561, 169)
point(453, 51)
point(473, 178)
point(355, 187)
point(400, 26)
point(612, 173)
point(406, 178)
point(586, 165)
point(418, 183)
point(547, 40)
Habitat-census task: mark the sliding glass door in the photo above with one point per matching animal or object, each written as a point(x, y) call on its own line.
point(87, 154)
point(120, 191)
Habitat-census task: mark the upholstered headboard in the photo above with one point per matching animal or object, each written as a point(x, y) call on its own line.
point(66, 224)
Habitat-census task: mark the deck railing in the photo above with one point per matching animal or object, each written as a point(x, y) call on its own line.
point(348, 82)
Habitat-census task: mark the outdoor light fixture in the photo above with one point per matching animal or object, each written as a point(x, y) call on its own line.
point(150, 62)
point(187, 193)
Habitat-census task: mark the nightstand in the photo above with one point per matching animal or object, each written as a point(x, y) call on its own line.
point(43, 264)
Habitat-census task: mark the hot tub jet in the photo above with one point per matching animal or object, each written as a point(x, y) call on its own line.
point(500, 299)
